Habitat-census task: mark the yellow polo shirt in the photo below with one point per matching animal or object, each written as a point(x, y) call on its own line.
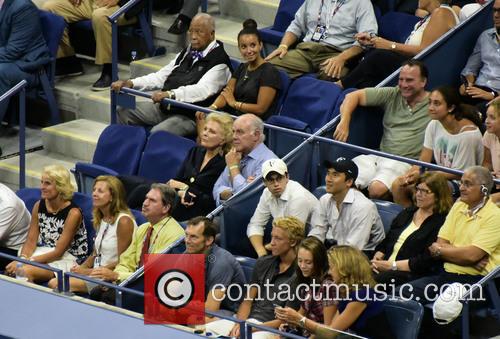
point(481, 230)
point(165, 232)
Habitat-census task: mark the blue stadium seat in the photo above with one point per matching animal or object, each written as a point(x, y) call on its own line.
point(285, 14)
point(118, 151)
point(404, 317)
point(235, 63)
point(139, 218)
point(52, 28)
point(163, 155)
point(387, 211)
point(247, 264)
point(396, 26)
point(319, 191)
point(31, 195)
point(285, 85)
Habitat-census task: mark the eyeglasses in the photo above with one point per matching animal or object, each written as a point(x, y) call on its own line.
point(496, 10)
point(423, 190)
point(467, 184)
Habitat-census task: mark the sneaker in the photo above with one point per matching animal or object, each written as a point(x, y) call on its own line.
point(68, 66)
point(103, 83)
point(180, 25)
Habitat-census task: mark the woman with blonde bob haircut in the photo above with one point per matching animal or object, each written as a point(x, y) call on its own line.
point(114, 224)
point(198, 173)
point(56, 236)
point(360, 308)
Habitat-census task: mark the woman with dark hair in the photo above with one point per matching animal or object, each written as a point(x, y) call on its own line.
point(387, 56)
point(403, 255)
point(318, 304)
point(255, 83)
point(453, 139)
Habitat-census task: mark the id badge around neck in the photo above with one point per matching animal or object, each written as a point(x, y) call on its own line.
point(319, 33)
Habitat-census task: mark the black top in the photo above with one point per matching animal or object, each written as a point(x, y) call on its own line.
point(266, 271)
point(248, 84)
point(415, 248)
point(201, 183)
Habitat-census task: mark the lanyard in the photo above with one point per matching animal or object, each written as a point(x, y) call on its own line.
point(338, 4)
point(157, 234)
point(98, 248)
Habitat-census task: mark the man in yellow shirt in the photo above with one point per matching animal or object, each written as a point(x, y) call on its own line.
point(157, 209)
point(469, 240)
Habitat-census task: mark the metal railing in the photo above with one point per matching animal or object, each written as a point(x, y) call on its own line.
point(20, 89)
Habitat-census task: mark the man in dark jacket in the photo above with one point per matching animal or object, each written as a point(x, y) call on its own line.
point(196, 75)
point(22, 46)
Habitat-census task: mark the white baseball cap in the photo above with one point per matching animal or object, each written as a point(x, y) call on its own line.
point(274, 165)
point(448, 307)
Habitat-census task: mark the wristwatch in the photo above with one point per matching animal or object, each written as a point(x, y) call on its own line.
point(302, 322)
point(394, 266)
point(393, 46)
point(171, 95)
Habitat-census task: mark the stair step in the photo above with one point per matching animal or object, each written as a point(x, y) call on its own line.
point(76, 139)
point(262, 11)
point(35, 162)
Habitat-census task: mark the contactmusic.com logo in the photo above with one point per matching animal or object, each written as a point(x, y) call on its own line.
point(174, 289)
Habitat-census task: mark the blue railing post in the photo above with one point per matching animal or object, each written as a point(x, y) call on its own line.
point(22, 138)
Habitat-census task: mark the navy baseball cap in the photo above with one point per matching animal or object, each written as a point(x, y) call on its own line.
point(343, 165)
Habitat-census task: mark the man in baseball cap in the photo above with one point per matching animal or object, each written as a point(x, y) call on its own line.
point(282, 197)
point(359, 224)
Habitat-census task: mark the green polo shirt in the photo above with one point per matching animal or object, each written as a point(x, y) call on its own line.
point(404, 127)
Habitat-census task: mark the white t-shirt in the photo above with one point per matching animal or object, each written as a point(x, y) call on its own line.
point(457, 151)
point(14, 219)
point(106, 241)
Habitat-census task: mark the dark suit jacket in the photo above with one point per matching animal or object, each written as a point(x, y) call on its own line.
point(21, 38)
point(415, 246)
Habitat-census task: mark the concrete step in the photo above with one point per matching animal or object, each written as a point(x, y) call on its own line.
point(35, 162)
point(76, 139)
point(262, 11)
point(149, 65)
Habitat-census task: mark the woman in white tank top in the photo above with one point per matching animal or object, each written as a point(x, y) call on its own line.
point(115, 226)
point(387, 56)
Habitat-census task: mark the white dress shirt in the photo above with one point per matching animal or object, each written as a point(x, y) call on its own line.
point(294, 201)
point(14, 219)
point(357, 223)
point(210, 83)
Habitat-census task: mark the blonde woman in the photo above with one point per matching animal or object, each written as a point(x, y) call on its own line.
point(115, 226)
point(56, 236)
point(198, 173)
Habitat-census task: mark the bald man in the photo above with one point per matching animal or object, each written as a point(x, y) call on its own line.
point(196, 75)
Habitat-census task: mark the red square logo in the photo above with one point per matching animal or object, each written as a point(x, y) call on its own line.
point(174, 289)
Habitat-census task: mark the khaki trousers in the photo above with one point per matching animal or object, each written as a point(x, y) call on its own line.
point(306, 58)
point(88, 9)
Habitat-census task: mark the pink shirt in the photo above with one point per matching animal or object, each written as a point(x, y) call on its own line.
point(491, 141)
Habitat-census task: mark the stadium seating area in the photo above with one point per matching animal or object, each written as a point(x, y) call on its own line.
point(299, 132)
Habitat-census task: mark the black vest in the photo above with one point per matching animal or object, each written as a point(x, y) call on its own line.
point(189, 74)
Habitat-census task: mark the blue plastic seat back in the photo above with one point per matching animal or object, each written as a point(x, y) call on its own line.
point(247, 264)
point(235, 64)
point(29, 196)
point(396, 26)
point(311, 101)
point(139, 218)
point(285, 14)
point(387, 211)
point(85, 203)
point(285, 85)
point(319, 191)
point(404, 317)
point(53, 26)
point(163, 155)
point(120, 147)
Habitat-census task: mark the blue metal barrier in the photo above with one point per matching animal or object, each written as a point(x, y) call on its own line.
point(59, 273)
point(20, 88)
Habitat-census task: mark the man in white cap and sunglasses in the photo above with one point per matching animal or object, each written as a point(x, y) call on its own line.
point(346, 216)
point(282, 197)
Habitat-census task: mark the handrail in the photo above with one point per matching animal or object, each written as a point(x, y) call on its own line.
point(118, 288)
point(123, 9)
point(59, 273)
point(193, 107)
point(20, 88)
point(489, 277)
